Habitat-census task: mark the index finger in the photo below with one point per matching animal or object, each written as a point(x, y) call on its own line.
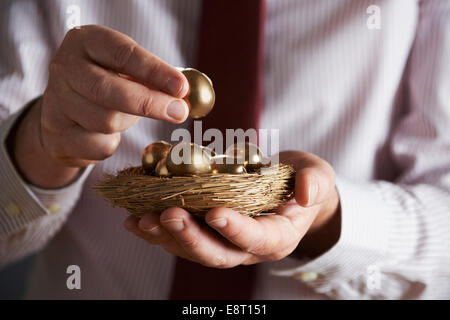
point(118, 52)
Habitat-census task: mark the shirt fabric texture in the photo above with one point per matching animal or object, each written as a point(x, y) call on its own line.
point(374, 103)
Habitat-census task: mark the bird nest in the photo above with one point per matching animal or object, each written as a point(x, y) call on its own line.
point(251, 194)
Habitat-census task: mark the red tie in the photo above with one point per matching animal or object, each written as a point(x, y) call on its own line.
point(231, 54)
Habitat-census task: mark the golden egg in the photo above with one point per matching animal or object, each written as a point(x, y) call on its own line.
point(209, 152)
point(200, 97)
point(161, 169)
point(247, 153)
point(153, 153)
point(226, 164)
point(187, 159)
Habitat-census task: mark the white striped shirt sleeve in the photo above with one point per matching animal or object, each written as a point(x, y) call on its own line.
point(28, 216)
point(395, 236)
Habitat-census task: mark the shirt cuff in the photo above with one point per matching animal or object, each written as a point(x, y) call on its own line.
point(362, 243)
point(21, 203)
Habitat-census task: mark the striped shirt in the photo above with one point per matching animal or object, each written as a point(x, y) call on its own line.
point(364, 84)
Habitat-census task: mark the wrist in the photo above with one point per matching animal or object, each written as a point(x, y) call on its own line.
point(325, 231)
point(32, 161)
point(328, 210)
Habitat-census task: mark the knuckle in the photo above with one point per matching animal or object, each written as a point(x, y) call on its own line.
point(280, 254)
point(110, 146)
point(152, 70)
point(234, 233)
point(99, 87)
point(105, 153)
point(191, 243)
point(145, 106)
point(52, 97)
point(48, 123)
point(112, 123)
point(258, 247)
point(58, 79)
point(277, 256)
point(220, 262)
point(72, 34)
point(122, 54)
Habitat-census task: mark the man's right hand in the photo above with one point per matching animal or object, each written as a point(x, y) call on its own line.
point(100, 83)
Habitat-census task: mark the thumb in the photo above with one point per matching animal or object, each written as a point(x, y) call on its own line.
point(314, 178)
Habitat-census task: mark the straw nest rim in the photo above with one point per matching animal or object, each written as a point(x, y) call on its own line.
point(251, 194)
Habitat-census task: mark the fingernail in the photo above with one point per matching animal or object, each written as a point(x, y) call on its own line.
point(177, 110)
point(155, 231)
point(218, 223)
point(312, 190)
point(174, 224)
point(174, 86)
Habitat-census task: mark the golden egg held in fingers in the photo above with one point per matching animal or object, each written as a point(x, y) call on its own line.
point(200, 97)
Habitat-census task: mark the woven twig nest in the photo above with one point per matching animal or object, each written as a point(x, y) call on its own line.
point(250, 194)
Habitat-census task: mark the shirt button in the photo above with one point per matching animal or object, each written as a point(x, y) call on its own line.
point(309, 276)
point(13, 209)
point(54, 208)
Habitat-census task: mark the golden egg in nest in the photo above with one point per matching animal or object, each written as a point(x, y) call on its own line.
point(187, 159)
point(161, 169)
point(247, 153)
point(226, 164)
point(153, 153)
